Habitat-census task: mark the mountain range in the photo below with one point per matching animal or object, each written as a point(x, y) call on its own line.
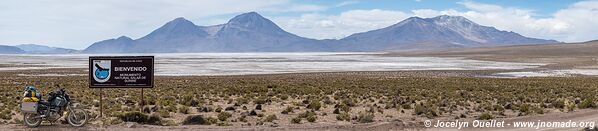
point(4, 49)
point(251, 32)
point(34, 49)
point(42, 49)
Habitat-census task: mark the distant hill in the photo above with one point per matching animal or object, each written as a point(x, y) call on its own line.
point(42, 49)
point(564, 55)
point(251, 32)
point(120, 45)
point(4, 49)
point(440, 32)
point(583, 49)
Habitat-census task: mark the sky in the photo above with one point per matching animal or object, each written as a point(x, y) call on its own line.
point(79, 23)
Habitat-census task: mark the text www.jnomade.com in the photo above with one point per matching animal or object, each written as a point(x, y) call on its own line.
point(501, 124)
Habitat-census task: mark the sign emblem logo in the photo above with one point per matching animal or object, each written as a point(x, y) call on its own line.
point(101, 70)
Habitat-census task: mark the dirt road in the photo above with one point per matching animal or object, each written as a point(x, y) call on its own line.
point(586, 115)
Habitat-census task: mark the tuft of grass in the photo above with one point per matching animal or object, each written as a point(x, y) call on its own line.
point(271, 118)
point(571, 107)
point(365, 117)
point(296, 120)
point(287, 110)
point(195, 120)
point(526, 108)
point(406, 106)
point(164, 113)
point(113, 121)
point(5, 114)
point(538, 110)
point(261, 100)
point(218, 109)
point(344, 116)
point(314, 105)
point(284, 97)
point(212, 120)
point(223, 116)
point(344, 107)
point(559, 104)
point(587, 103)
point(184, 109)
point(242, 118)
point(223, 124)
point(427, 111)
point(139, 117)
point(485, 116)
point(306, 114)
point(154, 120)
point(312, 118)
point(169, 123)
point(336, 111)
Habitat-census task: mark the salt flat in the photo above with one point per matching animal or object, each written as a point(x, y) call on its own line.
point(200, 64)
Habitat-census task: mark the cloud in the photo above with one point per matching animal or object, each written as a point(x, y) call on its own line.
point(77, 24)
point(344, 3)
point(293, 7)
point(572, 24)
point(575, 23)
point(300, 7)
point(580, 21)
point(511, 19)
point(320, 26)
